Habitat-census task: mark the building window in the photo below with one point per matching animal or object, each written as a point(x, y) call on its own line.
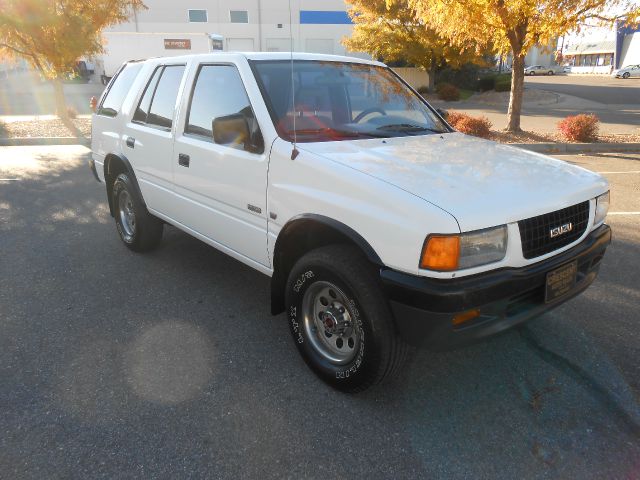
point(239, 16)
point(198, 16)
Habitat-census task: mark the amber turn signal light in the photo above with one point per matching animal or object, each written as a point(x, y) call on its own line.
point(465, 317)
point(441, 252)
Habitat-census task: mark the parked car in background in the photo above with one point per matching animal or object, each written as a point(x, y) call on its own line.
point(626, 72)
point(542, 70)
point(566, 69)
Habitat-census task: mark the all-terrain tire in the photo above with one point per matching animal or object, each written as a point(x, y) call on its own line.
point(352, 284)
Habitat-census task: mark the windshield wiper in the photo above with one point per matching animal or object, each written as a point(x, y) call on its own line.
point(335, 132)
point(409, 128)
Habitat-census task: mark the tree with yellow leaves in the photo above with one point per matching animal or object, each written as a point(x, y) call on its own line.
point(52, 35)
point(392, 31)
point(514, 26)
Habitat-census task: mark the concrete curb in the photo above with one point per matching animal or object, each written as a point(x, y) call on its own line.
point(30, 141)
point(575, 148)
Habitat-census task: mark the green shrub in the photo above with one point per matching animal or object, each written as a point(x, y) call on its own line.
point(580, 128)
point(465, 77)
point(502, 86)
point(486, 83)
point(448, 92)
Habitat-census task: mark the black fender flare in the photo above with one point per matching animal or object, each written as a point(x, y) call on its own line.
point(279, 277)
point(344, 229)
point(128, 168)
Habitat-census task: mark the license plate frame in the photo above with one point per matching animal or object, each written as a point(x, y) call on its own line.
point(560, 281)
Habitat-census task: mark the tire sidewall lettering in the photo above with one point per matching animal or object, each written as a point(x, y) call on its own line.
point(302, 283)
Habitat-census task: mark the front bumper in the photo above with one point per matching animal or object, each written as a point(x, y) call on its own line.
point(424, 307)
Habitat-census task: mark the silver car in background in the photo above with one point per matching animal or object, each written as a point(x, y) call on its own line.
point(627, 72)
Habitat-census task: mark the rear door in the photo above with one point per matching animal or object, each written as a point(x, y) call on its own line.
point(148, 141)
point(105, 124)
point(221, 188)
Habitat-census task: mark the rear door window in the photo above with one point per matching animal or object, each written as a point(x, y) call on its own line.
point(120, 87)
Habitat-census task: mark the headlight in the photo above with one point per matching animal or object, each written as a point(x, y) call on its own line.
point(472, 249)
point(483, 246)
point(602, 207)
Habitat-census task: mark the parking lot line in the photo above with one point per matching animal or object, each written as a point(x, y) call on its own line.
point(9, 179)
point(629, 171)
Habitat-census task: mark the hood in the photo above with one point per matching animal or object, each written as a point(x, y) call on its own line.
point(481, 183)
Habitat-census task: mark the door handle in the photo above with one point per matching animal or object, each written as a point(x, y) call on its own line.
point(183, 160)
point(131, 142)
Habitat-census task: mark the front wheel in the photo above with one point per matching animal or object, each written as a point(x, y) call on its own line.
point(340, 319)
point(550, 72)
point(626, 75)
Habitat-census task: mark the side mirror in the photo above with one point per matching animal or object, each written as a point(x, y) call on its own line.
point(234, 130)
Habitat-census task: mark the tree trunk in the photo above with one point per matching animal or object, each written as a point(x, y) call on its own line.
point(517, 94)
point(61, 108)
point(432, 75)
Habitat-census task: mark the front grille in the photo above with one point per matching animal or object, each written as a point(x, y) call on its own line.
point(535, 232)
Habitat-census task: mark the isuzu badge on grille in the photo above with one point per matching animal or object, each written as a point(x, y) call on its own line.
point(562, 229)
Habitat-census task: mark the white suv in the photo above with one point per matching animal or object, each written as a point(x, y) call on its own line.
point(379, 225)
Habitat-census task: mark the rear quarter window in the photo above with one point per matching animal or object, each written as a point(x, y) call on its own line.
point(164, 98)
point(120, 87)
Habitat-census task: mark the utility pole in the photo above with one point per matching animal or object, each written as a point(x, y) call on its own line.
point(260, 25)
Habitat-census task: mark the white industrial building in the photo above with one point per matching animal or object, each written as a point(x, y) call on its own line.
point(250, 25)
point(601, 50)
point(168, 28)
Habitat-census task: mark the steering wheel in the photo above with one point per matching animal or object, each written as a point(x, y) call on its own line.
point(367, 111)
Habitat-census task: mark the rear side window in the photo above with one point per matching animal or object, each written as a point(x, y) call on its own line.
point(118, 90)
point(157, 105)
point(143, 108)
point(218, 92)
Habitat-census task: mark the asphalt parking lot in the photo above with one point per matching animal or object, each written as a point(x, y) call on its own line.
point(598, 88)
point(169, 365)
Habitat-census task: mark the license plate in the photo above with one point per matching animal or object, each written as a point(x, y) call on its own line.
point(560, 281)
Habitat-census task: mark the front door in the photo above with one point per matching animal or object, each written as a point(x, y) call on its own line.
point(221, 189)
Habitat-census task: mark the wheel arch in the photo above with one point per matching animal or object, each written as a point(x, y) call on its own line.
point(114, 165)
point(302, 234)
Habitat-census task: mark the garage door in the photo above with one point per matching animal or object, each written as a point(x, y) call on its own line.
point(240, 44)
point(278, 45)
point(319, 45)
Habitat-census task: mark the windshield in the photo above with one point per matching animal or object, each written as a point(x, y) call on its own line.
point(342, 101)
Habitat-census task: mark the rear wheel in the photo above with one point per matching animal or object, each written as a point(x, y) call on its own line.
point(138, 229)
point(340, 319)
